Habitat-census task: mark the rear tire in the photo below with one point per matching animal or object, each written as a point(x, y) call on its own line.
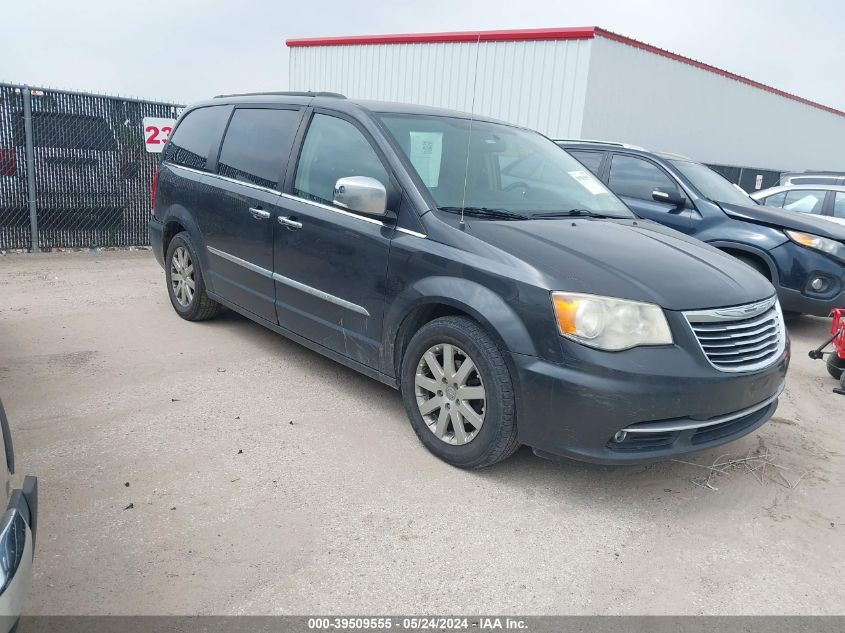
point(458, 393)
point(185, 283)
point(835, 367)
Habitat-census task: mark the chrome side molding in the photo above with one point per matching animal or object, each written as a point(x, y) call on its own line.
point(264, 272)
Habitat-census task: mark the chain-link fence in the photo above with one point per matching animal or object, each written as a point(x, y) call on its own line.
point(74, 169)
point(750, 179)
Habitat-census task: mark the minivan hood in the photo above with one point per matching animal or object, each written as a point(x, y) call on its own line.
point(631, 259)
point(773, 216)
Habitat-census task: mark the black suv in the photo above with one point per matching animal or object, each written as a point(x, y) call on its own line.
point(396, 240)
point(803, 256)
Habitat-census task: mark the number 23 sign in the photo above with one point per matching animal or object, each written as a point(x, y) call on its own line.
point(156, 132)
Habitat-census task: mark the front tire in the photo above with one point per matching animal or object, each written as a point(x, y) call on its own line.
point(754, 263)
point(185, 283)
point(760, 267)
point(458, 393)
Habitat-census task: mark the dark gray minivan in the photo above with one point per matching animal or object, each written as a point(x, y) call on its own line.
point(394, 239)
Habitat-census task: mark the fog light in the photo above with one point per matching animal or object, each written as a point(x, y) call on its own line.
point(817, 284)
point(620, 436)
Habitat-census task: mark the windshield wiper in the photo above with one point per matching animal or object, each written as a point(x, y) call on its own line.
point(486, 212)
point(572, 213)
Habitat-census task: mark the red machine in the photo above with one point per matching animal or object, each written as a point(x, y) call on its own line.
point(836, 358)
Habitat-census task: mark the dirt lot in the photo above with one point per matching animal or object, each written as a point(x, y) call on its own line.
point(266, 479)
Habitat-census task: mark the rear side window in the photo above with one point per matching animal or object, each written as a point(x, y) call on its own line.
point(66, 131)
point(257, 145)
point(637, 178)
point(804, 201)
point(814, 180)
point(190, 144)
point(590, 160)
point(334, 149)
point(775, 200)
point(839, 205)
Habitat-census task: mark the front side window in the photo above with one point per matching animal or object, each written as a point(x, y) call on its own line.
point(775, 200)
point(257, 144)
point(191, 143)
point(637, 178)
point(839, 205)
point(334, 149)
point(591, 160)
point(804, 201)
point(484, 166)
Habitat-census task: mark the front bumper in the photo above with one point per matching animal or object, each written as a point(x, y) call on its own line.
point(797, 301)
point(668, 400)
point(797, 267)
point(18, 527)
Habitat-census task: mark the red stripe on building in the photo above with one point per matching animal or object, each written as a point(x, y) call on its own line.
point(574, 33)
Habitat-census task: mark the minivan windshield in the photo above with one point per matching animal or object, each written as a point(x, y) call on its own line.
point(511, 173)
point(711, 185)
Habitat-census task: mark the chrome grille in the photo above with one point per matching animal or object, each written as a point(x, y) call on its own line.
point(741, 338)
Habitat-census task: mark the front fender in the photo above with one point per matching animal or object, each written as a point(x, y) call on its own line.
point(482, 304)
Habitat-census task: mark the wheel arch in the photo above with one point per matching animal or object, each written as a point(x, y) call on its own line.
point(434, 297)
point(744, 250)
point(176, 220)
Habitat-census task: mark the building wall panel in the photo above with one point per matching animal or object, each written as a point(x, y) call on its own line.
point(646, 99)
point(538, 84)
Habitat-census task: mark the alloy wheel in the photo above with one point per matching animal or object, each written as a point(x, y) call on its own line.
point(182, 276)
point(450, 394)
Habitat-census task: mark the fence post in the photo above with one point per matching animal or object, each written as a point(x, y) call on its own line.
point(30, 167)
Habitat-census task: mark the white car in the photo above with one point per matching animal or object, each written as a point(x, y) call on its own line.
point(825, 201)
point(813, 178)
point(17, 535)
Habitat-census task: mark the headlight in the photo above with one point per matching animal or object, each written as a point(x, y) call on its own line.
point(608, 323)
point(823, 244)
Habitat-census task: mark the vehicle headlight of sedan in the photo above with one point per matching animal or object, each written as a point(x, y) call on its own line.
point(823, 244)
point(608, 323)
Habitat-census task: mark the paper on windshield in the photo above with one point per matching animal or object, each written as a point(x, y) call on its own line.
point(589, 182)
point(425, 155)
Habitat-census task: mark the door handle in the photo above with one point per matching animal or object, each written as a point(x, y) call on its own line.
point(291, 224)
point(259, 214)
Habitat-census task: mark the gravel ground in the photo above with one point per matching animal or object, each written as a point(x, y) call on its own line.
point(217, 468)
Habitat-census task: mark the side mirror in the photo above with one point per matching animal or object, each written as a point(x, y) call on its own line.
point(362, 194)
point(669, 196)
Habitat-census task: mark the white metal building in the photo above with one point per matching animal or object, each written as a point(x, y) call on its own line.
point(582, 83)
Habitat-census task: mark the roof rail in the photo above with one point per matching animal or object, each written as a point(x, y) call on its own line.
point(597, 142)
point(814, 172)
point(672, 155)
point(292, 93)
